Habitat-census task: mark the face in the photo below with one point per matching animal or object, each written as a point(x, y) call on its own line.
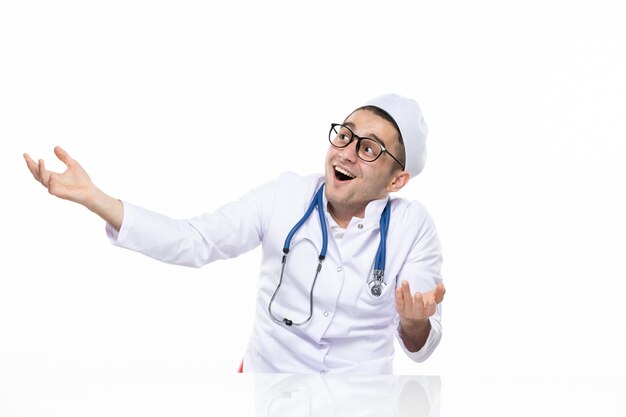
point(352, 183)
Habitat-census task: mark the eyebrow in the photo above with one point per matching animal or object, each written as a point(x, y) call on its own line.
point(370, 136)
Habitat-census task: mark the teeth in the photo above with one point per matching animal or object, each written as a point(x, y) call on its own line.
point(344, 172)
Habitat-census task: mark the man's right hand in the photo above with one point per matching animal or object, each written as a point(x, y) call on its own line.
point(75, 185)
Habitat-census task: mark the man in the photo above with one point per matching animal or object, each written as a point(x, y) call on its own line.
point(334, 288)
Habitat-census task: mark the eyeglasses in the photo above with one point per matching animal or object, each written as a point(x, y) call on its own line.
point(367, 149)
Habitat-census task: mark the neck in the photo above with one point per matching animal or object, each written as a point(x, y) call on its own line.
point(343, 215)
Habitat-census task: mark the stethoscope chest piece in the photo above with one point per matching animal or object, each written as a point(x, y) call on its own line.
point(377, 284)
point(376, 288)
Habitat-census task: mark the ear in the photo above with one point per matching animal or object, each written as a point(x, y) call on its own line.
point(398, 181)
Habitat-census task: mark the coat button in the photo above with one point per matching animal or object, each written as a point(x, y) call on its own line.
point(326, 313)
point(339, 269)
point(360, 226)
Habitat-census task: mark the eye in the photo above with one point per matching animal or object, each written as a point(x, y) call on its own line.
point(367, 150)
point(343, 135)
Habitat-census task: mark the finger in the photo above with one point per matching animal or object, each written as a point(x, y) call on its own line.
point(399, 300)
point(32, 166)
point(430, 309)
point(406, 295)
point(63, 156)
point(406, 289)
point(44, 174)
point(440, 291)
point(418, 304)
point(430, 305)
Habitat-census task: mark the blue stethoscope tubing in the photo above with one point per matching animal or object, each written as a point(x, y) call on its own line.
point(318, 202)
point(378, 281)
point(375, 285)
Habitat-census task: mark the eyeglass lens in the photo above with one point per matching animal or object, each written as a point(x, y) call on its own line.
point(368, 149)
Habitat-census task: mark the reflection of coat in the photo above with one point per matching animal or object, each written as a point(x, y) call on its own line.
point(346, 395)
point(350, 331)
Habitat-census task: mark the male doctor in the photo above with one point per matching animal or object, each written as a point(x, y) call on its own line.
point(341, 256)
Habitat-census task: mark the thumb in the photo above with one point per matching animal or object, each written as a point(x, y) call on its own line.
point(63, 156)
point(440, 291)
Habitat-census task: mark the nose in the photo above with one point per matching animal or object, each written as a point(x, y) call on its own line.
point(349, 152)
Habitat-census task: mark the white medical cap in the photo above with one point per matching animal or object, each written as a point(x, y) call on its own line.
point(408, 116)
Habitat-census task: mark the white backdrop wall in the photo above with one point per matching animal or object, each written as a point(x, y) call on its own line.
point(181, 106)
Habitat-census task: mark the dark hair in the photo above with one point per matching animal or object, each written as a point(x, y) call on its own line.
point(382, 113)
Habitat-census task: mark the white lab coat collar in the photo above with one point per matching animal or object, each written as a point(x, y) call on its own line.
point(373, 211)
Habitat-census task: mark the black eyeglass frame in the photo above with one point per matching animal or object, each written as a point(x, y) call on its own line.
point(358, 143)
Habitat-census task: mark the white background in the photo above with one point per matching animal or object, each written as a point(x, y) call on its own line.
point(181, 106)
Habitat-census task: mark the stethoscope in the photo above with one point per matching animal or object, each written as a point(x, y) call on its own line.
point(376, 284)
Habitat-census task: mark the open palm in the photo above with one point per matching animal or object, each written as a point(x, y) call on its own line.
point(73, 184)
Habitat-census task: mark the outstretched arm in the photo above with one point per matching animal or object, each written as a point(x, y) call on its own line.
point(414, 312)
point(75, 185)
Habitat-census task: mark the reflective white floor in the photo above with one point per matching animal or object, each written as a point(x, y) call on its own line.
point(157, 392)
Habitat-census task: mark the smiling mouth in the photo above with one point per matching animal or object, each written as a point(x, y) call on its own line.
point(343, 175)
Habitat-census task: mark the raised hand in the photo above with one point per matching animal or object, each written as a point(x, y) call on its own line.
point(75, 185)
point(414, 311)
point(418, 306)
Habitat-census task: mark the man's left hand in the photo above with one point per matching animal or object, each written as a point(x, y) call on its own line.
point(415, 308)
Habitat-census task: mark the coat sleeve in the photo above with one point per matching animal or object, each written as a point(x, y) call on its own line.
point(233, 229)
point(422, 269)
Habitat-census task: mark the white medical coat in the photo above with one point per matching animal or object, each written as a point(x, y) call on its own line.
point(350, 331)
